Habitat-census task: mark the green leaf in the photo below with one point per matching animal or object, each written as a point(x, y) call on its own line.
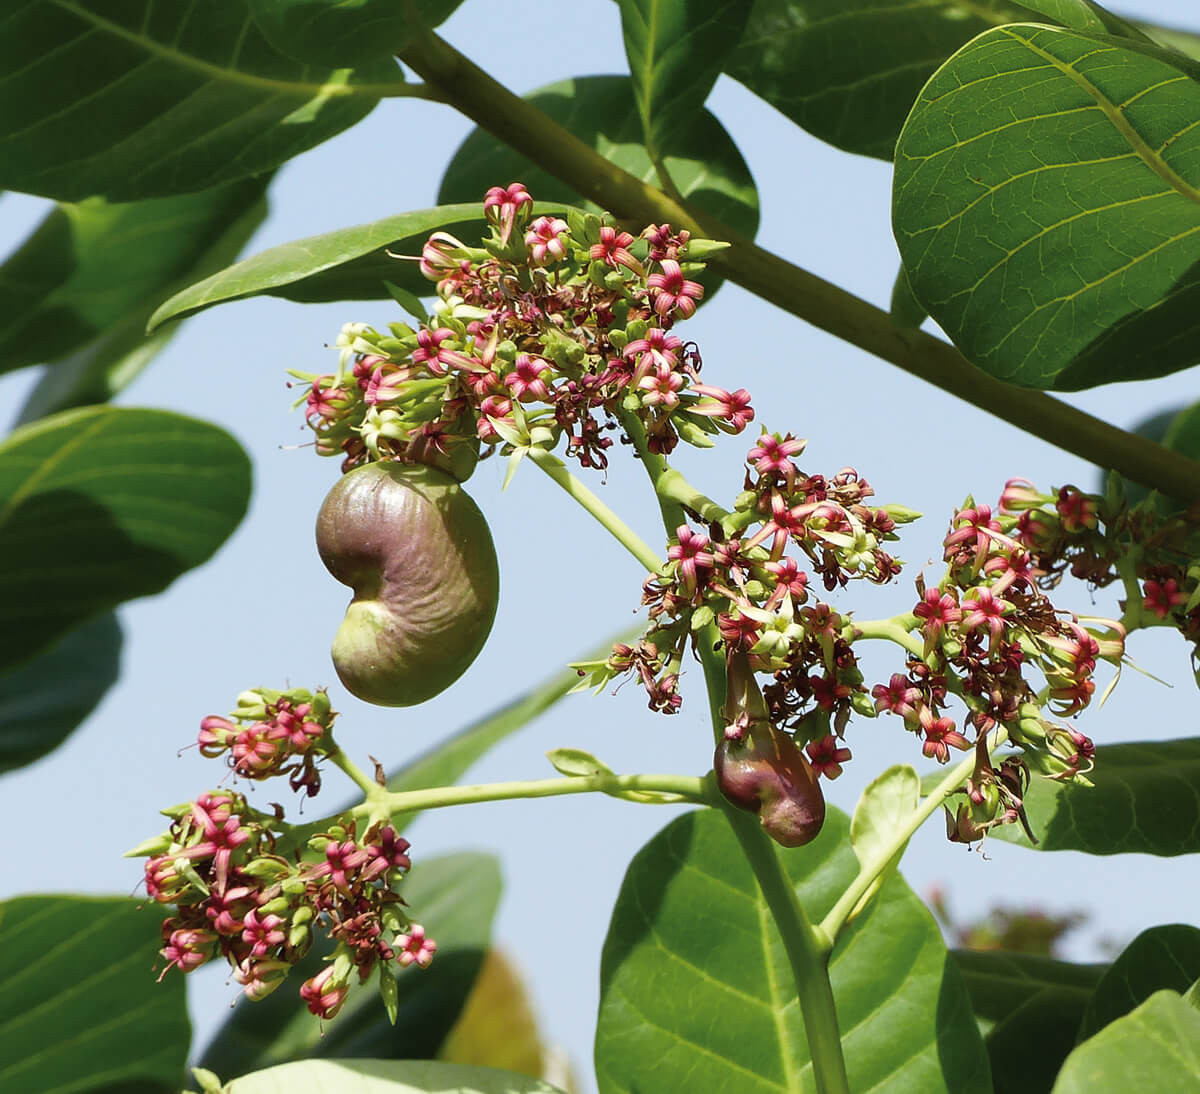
point(101, 505)
point(1022, 1000)
point(60, 300)
point(1157, 1048)
point(455, 897)
point(576, 763)
point(848, 71)
point(1146, 799)
point(675, 50)
point(43, 701)
point(1161, 957)
point(143, 99)
point(386, 1077)
point(80, 1010)
point(343, 32)
point(905, 309)
point(887, 802)
point(1047, 209)
point(697, 994)
point(347, 264)
point(1153, 428)
point(701, 158)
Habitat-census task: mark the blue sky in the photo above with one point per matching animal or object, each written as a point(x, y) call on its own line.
point(264, 610)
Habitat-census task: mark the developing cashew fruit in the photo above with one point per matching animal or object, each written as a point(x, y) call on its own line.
point(418, 554)
point(765, 773)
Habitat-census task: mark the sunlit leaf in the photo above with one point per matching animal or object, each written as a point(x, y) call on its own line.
point(386, 1077)
point(81, 1011)
point(697, 995)
point(1047, 206)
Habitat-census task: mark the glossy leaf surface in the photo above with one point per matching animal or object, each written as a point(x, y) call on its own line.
point(101, 505)
point(601, 111)
point(1146, 799)
point(1030, 1008)
point(697, 995)
point(385, 1077)
point(343, 32)
point(142, 99)
point(1156, 1047)
point(887, 802)
point(455, 896)
point(1161, 957)
point(348, 264)
point(42, 701)
point(675, 50)
point(82, 1011)
point(1047, 206)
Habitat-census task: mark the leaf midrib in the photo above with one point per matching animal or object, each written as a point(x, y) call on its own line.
point(1110, 110)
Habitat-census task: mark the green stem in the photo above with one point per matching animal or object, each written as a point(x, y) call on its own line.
point(370, 788)
point(833, 923)
point(893, 630)
point(523, 127)
point(617, 528)
point(807, 950)
point(656, 467)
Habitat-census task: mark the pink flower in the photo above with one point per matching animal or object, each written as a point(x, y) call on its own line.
point(528, 379)
point(415, 947)
point(661, 388)
point(692, 555)
point(1079, 511)
point(323, 994)
point(730, 406)
point(898, 695)
point(262, 933)
point(986, 611)
point(188, 949)
point(671, 294)
point(613, 250)
point(940, 736)
point(827, 757)
point(506, 206)
point(772, 456)
point(546, 240)
point(1162, 596)
point(939, 610)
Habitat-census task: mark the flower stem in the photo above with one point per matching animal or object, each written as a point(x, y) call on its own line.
point(370, 788)
point(894, 630)
point(840, 913)
point(617, 528)
point(807, 950)
point(523, 127)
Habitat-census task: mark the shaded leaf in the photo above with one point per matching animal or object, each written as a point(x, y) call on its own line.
point(1153, 428)
point(1047, 208)
point(44, 700)
point(905, 309)
point(142, 99)
point(343, 32)
point(101, 505)
point(81, 1010)
point(1161, 957)
point(348, 264)
point(455, 897)
point(1157, 1047)
point(697, 994)
point(675, 50)
point(1146, 799)
point(702, 159)
point(1030, 1008)
point(849, 71)
point(386, 1077)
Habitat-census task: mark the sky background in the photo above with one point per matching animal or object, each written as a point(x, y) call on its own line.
point(264, 611)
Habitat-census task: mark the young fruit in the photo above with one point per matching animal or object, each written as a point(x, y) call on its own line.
point(418, 554)
point(765, 773)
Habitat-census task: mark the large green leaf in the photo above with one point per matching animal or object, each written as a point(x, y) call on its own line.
point(455, 898)
point(1047, 206)
point(1146, 800)
point(386, 1077)
point(601, 111)
point(848, 71)
point(675, 50)
point(1030, 1008)
point(1161, 957)
point(1157, 1048)
point(347, 264)
point(144, 98)
point(101, 505)
point(343, 32)
point(80, 1010)
point(60, 300)
point(696, 993)
point(42, 701)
